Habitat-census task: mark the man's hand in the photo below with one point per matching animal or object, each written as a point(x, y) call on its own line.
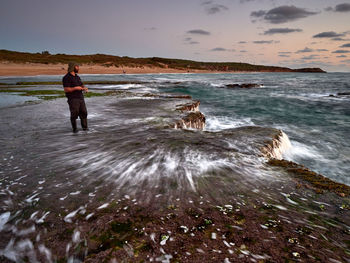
point(85, 89)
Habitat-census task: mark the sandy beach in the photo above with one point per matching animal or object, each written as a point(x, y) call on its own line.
point(32, 69)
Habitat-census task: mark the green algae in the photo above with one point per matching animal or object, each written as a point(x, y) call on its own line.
point(50, 94)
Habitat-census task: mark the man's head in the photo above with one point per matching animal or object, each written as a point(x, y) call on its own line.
point(73, 66)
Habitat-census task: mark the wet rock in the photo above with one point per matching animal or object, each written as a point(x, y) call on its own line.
point(340, 94)
point(278, 144)
point(194, 120)
point(316, 181)
point(193, 106)
point(243, 86)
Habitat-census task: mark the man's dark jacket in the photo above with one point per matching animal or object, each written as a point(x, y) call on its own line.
point(72, 81)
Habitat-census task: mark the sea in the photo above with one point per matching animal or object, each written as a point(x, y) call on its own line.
point(305, 106)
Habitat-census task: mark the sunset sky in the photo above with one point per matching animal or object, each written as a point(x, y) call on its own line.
point(312, 33)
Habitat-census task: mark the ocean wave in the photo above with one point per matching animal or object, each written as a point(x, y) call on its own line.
point(309, 96)
point(301, 151)
point(218, 123)
point(113, 87)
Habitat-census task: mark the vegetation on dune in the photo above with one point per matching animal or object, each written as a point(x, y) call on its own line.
point(117, 61)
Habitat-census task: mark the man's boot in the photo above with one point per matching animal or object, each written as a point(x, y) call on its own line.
point(84, 124)
point(74, 125)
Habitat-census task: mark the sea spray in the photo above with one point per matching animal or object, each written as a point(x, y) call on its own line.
point(277, 146)
point(284, 145)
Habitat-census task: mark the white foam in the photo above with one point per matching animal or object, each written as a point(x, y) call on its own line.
point(4, 219)
point(218, 123)
point(284, 146)
point(300, 150)
point(68, 218)
point(103, 206)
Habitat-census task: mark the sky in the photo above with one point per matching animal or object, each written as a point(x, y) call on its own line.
point(291, 33)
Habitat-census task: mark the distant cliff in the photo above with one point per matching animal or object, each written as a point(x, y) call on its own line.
point(157, 62)
point(309, 70)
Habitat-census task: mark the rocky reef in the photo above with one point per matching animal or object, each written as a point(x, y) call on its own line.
point(275, 147)
point(243, 86)
point(340, 94)
point(311, 179)
point(192, 106)
point(193, 120)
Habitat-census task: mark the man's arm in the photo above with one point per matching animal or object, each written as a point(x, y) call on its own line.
point(71, 89)
point(83, 86)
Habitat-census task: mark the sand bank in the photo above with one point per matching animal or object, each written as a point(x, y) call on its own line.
point(32, 69)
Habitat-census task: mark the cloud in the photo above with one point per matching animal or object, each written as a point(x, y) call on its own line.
point(339, 8)
point(346, 61)
point(263, 42)
point(190, 41)
point(284, 56)
point(221, 49)
point(243, 51)
point(198, 32)
point(310, 57)
point(284, 52)
point(212, 8)
point(258, 14)
point(150, 28)
point(346, 45)
point(341, 51)
point(242, 42)
point(273, 31)
point(305, 50)
point(341, 56)
point(216, 9)
point(329, 34)
point(282, 14)
point(322, 50)
point(339, 39)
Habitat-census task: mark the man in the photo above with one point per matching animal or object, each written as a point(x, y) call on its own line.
point(73, 87)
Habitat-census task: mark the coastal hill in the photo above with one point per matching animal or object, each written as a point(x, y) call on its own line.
point(167, 64)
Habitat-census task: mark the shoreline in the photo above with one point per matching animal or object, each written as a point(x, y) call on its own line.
point(34, 69)
point(11, 69)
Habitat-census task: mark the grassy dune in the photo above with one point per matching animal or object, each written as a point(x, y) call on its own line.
point(117, 61)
